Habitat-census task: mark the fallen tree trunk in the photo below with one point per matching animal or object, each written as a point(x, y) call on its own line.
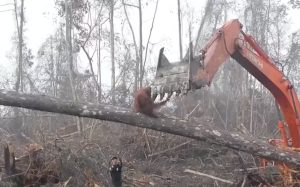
point(201, 130)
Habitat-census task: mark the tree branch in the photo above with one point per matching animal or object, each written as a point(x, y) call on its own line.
point(150, 33)
point(135, 6)
point(206, 175)
point(203, 130)
point(90, 59)
point(135, 47)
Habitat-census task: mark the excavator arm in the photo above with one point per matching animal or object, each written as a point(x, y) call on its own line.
point(230, 41)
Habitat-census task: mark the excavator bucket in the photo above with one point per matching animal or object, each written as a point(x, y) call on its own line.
point(175, 77)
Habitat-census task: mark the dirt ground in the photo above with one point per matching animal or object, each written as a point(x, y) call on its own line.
point(149, 159)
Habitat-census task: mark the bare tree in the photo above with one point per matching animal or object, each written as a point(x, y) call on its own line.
point(112, 52)
point(88, 37)
point(20, 23)
point(140, 65)
point(136, 74)
point(69, 45)
point(52, 78)
point(208, 9)
point(148, 41)
point(141, 42)
point(68, 6)
point(19, 82)
point(179, 28)
point(99, 63)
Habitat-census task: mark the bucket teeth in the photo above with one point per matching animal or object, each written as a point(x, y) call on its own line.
point(166, 92)
point(180, 76)
point(169, 95)
point(154, 96)
point(165, 95)
point(161, 96)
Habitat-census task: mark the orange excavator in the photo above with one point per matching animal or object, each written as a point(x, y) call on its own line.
point(195, 72)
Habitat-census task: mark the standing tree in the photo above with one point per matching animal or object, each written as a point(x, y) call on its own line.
point(208, 10)
point(112, 51)
point(141, 42)
point(179, 28)
point(86, 38)
point(68, 17)
point(19, 82)
point(136, 74)
point(99, 63)
point(20, 23)
point(69, 22)
point(148, 41)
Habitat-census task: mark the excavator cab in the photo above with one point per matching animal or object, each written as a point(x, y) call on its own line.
point(176, 76)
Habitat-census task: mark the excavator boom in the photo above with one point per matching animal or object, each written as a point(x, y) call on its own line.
point(230, 41)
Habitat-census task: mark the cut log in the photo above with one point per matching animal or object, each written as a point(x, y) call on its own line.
point(203, 130)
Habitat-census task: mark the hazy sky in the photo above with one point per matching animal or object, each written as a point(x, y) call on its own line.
point(39, 25)
point(41, 22)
